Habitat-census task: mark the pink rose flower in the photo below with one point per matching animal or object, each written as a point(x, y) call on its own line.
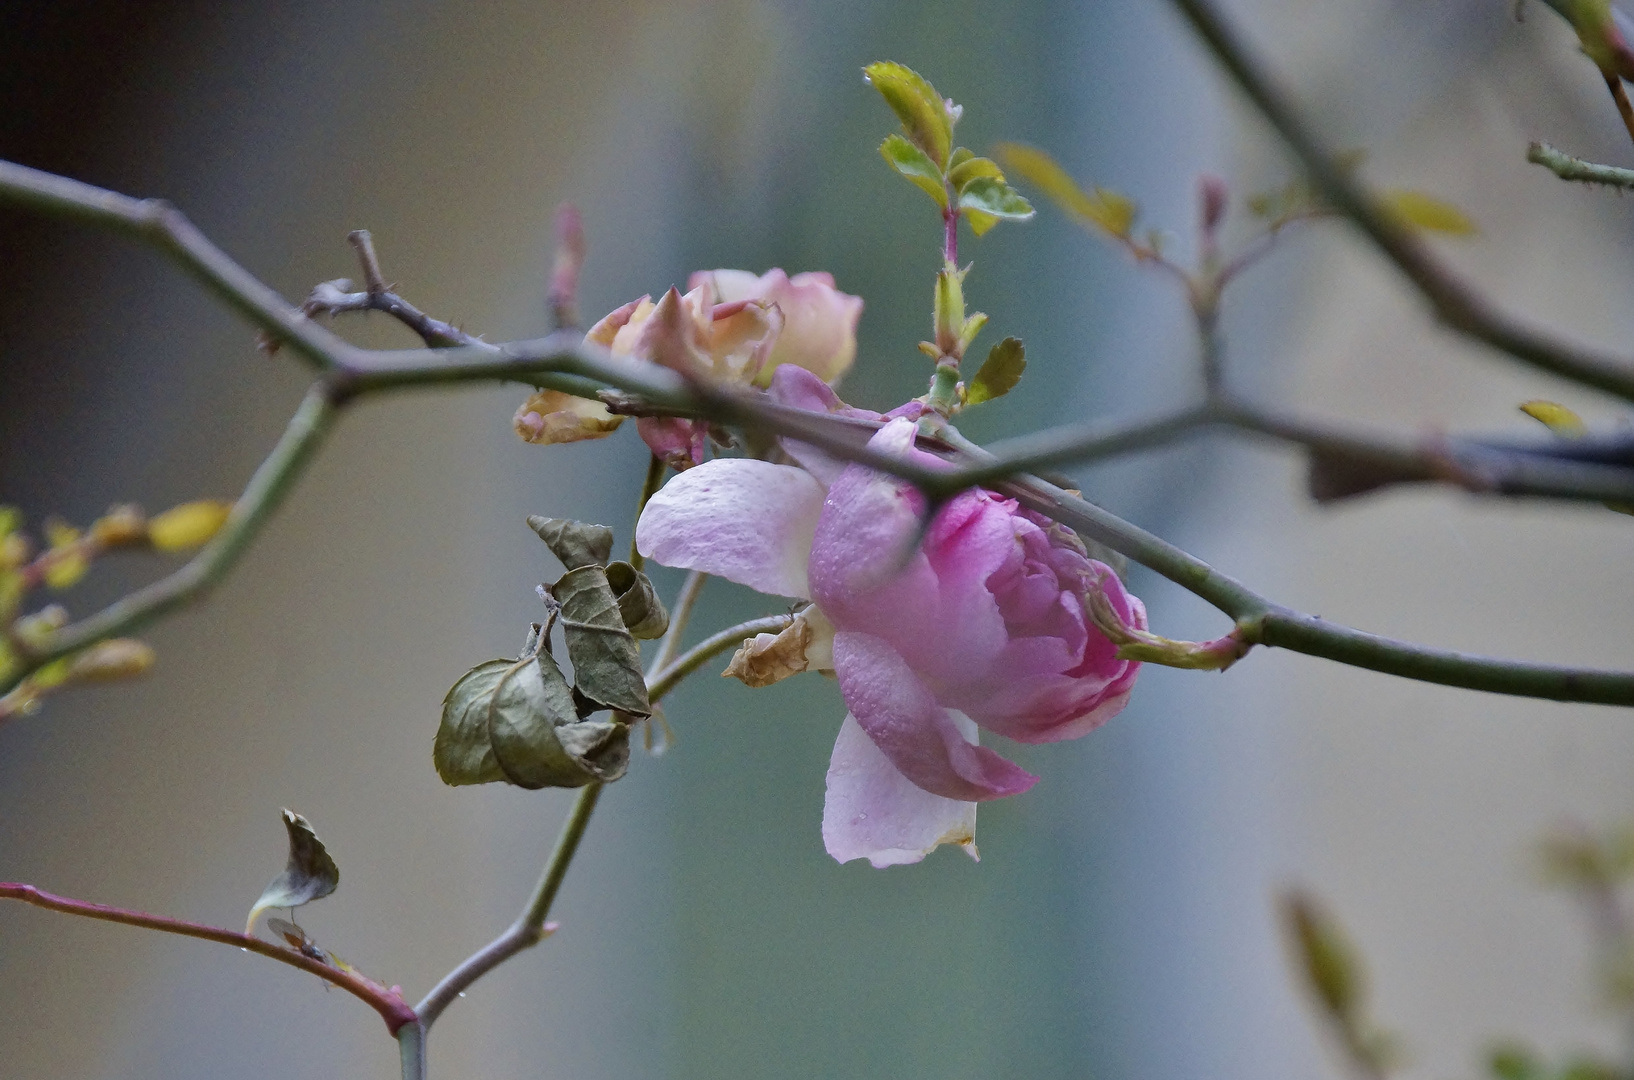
point(983, 627)
point(819, 321)
point(730, 326)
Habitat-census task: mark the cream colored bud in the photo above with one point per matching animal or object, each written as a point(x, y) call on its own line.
point(119, 526)
point(116, 658)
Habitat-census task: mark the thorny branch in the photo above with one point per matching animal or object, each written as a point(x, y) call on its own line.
point(564, 361)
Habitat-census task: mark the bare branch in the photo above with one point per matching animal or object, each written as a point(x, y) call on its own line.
point(388, 1003)
point(1458, 305)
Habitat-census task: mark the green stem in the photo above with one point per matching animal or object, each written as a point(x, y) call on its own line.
point(566, 356)
point(529, 928)
point(1263, 622)
point(262, 496)
point(666, 678)
point(411, 1044)
point(1567, 167)
point(680, 612)
point(649, 488)
point(1457, 304)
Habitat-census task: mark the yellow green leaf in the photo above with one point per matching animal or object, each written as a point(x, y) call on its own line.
point(925, 116)
point(188, 525)
point(970, 168)
point(1419, 211)
point(999, 374)
point(1102, 208)
point(916, 165)
point(1557, 418)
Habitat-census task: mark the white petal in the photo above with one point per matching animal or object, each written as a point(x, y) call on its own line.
point(873, 812)
point(741, 519)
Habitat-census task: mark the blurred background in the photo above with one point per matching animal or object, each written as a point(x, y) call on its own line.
point(1120, 922)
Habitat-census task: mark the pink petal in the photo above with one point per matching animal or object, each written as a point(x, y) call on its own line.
point(920, 737)
point(873, 812)
point(741, 519)
point(800, 389)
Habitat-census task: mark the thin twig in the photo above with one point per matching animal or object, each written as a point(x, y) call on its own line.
point(1457, 304)
point(680, 612)
point(262, 496)
point(649, 488)
point(388, 1003)
point(332, 298)
point(1261, 621)
point(163, 226)
point(666, 678)
point(1567, 167)
point(530, 926)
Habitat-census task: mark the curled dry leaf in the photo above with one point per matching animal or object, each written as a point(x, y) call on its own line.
point(606, 659)
point(574, 543)
point(310, 874)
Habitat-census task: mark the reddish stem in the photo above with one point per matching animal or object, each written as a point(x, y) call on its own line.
point(388, 1003)
point(950, 245)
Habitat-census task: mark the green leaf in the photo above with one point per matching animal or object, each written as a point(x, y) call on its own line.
point(925, 116)
point(574, 543)
point(310, 874)
point(961, 174)
point(999, 374)
point(11, 519)
point(912, 162)
point(1514, 1061)
point(1420, 212)
point(638, 602)
point(995, 199)
point(1326, 957)
point(959, 156)
point(1104, 209)
point(606, 659)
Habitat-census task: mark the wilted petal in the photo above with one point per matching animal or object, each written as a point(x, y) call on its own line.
point(921, 738)
point(605, 332)
point(741, 519)
point(676, 442)
point(806, 644)
point(873, 812)
point(551, 416)
point(769, 658)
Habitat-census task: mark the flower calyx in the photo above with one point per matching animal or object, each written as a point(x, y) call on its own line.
point(1136, 644)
